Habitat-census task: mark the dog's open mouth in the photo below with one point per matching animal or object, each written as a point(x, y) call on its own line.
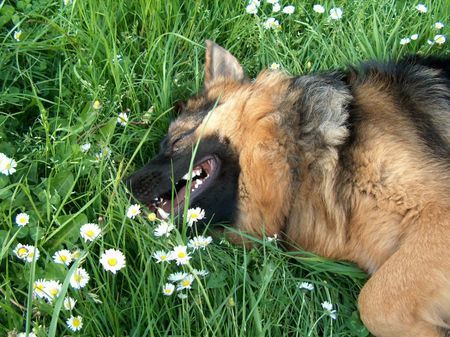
point(202, 175)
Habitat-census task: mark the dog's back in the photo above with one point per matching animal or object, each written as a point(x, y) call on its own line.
point(381, 198)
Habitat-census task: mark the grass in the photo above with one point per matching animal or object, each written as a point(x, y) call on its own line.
point(65, 60)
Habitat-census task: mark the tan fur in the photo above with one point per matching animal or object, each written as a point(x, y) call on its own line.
point(390, 215)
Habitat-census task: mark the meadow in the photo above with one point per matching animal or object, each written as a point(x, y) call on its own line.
point(87, 90)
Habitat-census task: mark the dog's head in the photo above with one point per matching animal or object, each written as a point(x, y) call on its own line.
point(233, 123)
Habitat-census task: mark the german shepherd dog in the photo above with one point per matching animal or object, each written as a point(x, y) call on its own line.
point(352, 165)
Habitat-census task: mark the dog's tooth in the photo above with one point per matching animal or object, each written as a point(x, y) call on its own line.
point(186, 176)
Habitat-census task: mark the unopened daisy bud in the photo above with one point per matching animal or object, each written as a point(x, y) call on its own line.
point(97, 105)
point(151, 216)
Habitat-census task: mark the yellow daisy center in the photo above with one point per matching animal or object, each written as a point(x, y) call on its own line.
point(185, 283)
point(39, 287)
point(194, 216)
point(63, 258)
point(152, 216)
point(90, 233)
point(181, 255)
point(77, 278)
point(167, 291)
point(163, 257)
point(8, 165)
point(76, 322)
point(112, 261)
point(53, 291)
point(22, 251)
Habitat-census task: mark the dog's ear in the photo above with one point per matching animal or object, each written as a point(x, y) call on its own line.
point(220, 64)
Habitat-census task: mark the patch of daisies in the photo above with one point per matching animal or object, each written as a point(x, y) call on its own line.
point(49, 290)
point(176, 255)
point(436, 37)
point(273, 12)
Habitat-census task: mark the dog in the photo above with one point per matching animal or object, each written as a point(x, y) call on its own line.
point(350, 164)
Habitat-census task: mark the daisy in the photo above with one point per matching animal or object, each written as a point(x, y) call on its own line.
point(180, 255)
point(85, 147)
point(52, 288)
point(178, 276)
point(186, 282)
point(67, 2)
point(69, 303)
point(168, 289)
point(201, 273)
point(414, 37)
point(405, 40)
point(306, 286)
point(76, 254)
point(79, 278)
point(438, 25)
point(200, 241)
point(274, 66)
point(276, 7)
point(39, 288)
point(257, 3)
point(32, 251)
point(319, 9)
point(97, 105)
point(18, 35)
point(22, 219)
point(112, 260)
point(75, 323)
point(289, 10)
point(90, 231)
point(133, 211)
point(272, 2)
point(194, 214)
point(24, 334)
point(336, 13)
point(21, 251)
point(122, 119)
point(273, 238)
point(104, 153)
point(63, 256)
point(182, 296)
point(7, 165)
point(328, 307)
point(271, 23)
point(164, 228)
point(422, 8)
point(439, 39)
point(161, 256)
point(251, 9)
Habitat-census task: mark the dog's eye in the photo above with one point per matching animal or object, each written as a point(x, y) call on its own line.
point(176, 143)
